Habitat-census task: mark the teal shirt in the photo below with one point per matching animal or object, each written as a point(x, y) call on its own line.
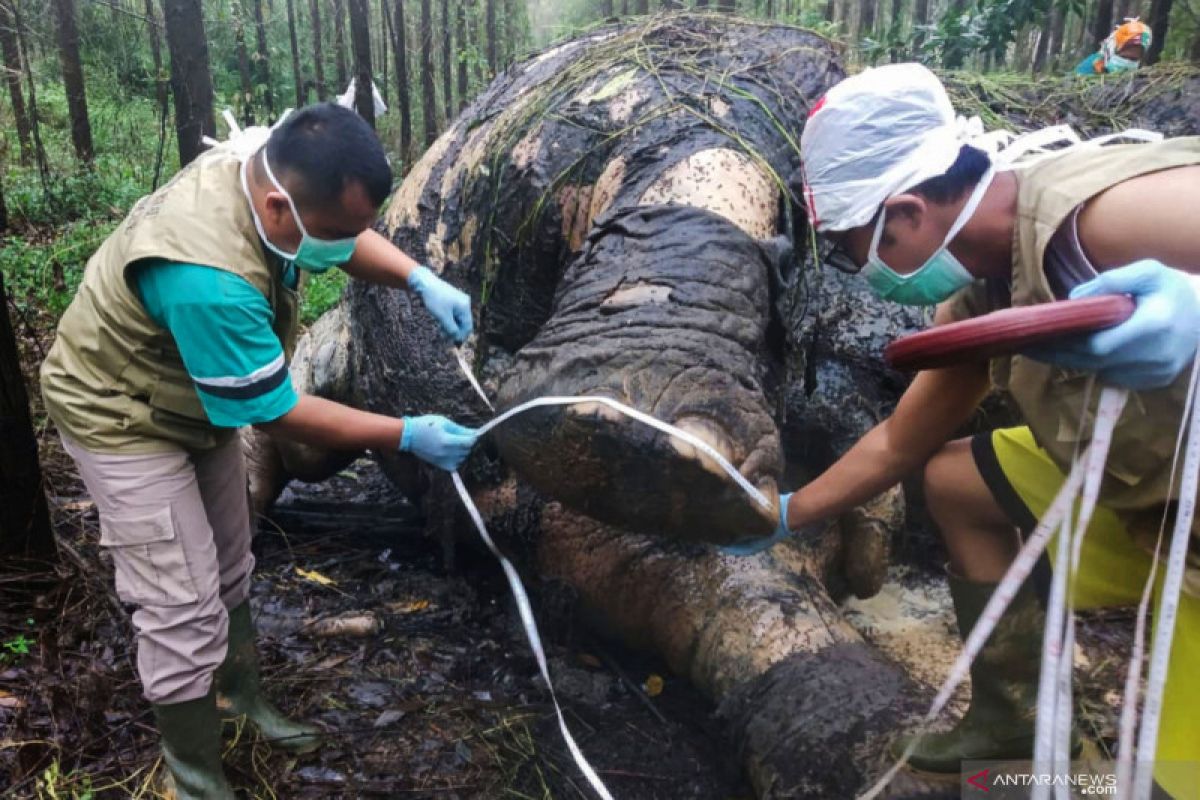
point(222, 327)
point(1088, 65)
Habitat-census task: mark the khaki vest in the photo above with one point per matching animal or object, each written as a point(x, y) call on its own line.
point(1051, 400)
point(114, 380)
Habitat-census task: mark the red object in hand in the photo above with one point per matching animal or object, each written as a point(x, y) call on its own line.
point(1006, 332)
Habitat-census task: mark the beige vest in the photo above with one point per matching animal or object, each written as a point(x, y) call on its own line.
point(1052, 399)
point(114, 380)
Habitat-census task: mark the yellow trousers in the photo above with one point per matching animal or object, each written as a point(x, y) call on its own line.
point(1112, 572)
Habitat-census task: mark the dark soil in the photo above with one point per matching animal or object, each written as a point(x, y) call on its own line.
point(443, 700)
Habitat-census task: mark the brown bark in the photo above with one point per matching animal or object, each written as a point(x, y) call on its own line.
point(1102, 22)
point(360, 42)
point(428, 92)
point(191, 83)
point(1051, 34)
point(263, 58)
point(403, 95)
point(314, 10)
point(490, 11)
point(383, 51)
point(297, 76)
point(12, 76)
point(72, 71)
point(24, 516)
point(1160, 20)
point(447, 63)
point(866, 18)
point(339, 42)
point(462, 53)
point(243, 57)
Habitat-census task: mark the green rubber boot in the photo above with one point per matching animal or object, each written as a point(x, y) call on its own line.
point(240, 692)
point(191, 745)
point(999, 723)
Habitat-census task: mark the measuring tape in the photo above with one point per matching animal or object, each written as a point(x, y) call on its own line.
point(524, 608)
point(1052, 739)
point(1134, 675)
point(1054, 715)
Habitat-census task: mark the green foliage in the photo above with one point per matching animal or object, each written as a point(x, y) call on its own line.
point(321, 293)
point(16, 647)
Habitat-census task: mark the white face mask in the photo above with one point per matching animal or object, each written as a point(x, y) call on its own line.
point(940, 276)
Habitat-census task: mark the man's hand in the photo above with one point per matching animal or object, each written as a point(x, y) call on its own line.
point(448, 305)
point(758, 545)
point(1151, 348)
point(437, 440)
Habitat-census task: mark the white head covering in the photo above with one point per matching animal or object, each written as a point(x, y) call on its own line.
point(876, 134)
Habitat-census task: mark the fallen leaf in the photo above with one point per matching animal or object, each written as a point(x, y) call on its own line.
point(10, 700)
point(589, 660)
point(653, 685)
point(409, 607)
point(349, 625)
point(315, 577)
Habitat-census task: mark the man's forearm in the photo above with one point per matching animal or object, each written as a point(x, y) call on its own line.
point(935, 406)
point(323, 423)
point(376, 260)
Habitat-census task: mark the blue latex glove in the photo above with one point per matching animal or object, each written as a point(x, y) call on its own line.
point(1146, 351)
point(451, 307)
point(437, 440)
point(758, 545)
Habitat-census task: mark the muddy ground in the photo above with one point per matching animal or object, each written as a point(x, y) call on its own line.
point(429, 688)
point(421, 674)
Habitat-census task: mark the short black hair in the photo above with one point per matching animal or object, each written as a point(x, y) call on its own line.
point(962, 176)
point(324, 148)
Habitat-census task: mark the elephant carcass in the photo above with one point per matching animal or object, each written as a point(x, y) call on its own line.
point(618, 208)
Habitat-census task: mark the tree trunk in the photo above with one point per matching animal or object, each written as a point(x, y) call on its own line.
point(699, 4)
point(243, 57)
point(462, 53)
point(728, 6)
point(490, 10)
point(3, 209)
point(1102, 22)
point(403, 95)
point(447, 63)
point(314, 11)
point(12, 76)
point(339, 42)
point(263, 58)
point(360, 41)
point(606, 8)
point(428, 93)
point(920, 19)
point(1195, 51)
point(1057, 35)
point(866, 18)
point(383, 50)
point(72, 71)
point(1160, 20)
point(161, 89)
point(297, 76)
point(1050, 35)
point(894, 30)
point(191, 82)
point(24, 515)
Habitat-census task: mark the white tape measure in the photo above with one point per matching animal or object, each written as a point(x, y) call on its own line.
point(514, 579)
point(1054, 700)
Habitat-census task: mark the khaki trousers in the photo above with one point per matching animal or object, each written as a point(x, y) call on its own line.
point(178, 527)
